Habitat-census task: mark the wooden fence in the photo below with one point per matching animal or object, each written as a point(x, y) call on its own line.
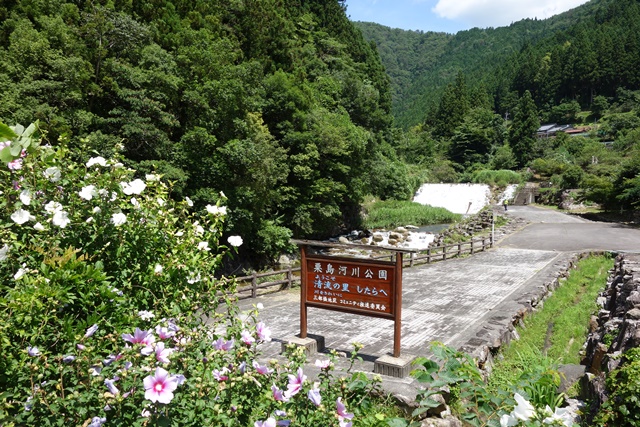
point(287, 278)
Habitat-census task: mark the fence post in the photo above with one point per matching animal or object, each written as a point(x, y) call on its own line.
point(444, 252)
point(429, 255)
point(254, 285)
point(459, 248)
point(289, 278)
point(471, 246)
point(412, 255)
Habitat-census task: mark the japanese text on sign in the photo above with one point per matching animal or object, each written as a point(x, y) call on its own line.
point(351, 284)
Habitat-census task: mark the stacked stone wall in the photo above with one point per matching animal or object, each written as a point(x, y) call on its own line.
point(614, 330)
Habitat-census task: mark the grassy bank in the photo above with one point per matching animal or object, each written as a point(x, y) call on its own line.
point(393, 213)
point(499, 178)
point(555, 334)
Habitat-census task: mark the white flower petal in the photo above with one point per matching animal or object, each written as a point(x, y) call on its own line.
point(21, 216)
point(25, 197)
point(235, 240)
point(100, 161)
point(118, 219)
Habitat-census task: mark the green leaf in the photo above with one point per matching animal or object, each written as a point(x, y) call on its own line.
point(5, 155)
point(418, 411)
point(15, 149)
point(30, 130)
point(6, 132)
point(429, 403)
point(397, 422)
point(422, 376)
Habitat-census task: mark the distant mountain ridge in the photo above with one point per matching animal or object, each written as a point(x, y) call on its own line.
point(420, 64)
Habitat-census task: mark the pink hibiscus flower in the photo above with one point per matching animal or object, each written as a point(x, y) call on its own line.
point(140, 337)
point(278, 394)
point(269, 422)
point(264, 333)
point(342, 411)
point(295, 383)
point(263, 370)
point(221, 344)
point(160, 387)
point(247, 338)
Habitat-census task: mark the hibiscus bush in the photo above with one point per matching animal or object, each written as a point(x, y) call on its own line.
point(458, 376)
point(112, 312)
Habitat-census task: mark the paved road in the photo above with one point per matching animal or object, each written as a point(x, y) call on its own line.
point(461, 302)
point(554, 231)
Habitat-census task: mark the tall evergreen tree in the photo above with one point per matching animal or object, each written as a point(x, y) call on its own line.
point(454, 105)
point(523, 129)
point(472, 141)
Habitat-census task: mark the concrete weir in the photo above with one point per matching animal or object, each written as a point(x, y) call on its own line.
point(465, 199)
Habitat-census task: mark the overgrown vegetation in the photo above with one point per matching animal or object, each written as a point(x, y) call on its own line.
point(497, 178)
point(389, 214)
point(623, 407)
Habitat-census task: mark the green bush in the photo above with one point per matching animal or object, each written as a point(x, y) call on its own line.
point(443, 171)
point(390, 180)
point(547, 167)
point(500, 178)
point(274, 240)
point(571, 177)
point(503, 158)
point(623, 407)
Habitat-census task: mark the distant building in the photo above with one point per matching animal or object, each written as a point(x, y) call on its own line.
point(551, 129)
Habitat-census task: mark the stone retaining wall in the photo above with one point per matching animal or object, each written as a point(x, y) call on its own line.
point(614, 330)
point(478, 223)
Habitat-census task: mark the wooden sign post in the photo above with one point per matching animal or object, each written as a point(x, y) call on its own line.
point(352, 285)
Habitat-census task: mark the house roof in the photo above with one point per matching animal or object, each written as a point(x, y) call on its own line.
point(553, 128)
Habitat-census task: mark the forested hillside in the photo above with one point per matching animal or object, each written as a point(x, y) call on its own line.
point(505, 61)
point(473, 102)
point(280, 105)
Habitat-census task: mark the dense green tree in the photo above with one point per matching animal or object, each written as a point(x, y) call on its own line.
point(474, 139)
point(522, 133)
point(453, 108)
point(503, 158)
point(275, 103)
point(565, 113)
point(599, 105)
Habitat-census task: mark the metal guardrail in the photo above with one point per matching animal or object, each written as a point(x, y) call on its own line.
point(434, 254)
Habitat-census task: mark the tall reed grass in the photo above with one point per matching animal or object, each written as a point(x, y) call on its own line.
point(393, 213)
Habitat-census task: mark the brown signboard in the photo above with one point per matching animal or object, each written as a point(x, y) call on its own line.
point(346, 284)
point(359, 286)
